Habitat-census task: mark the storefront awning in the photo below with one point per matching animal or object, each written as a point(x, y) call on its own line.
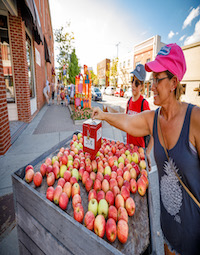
point(46, 51)
point(35, 24)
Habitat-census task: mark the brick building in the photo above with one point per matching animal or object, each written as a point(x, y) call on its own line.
point(26, 61)
point(102, 68)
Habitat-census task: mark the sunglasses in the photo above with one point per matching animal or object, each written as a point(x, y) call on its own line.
point(137, 83)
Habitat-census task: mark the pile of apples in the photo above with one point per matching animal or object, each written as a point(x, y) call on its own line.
point(117, 171)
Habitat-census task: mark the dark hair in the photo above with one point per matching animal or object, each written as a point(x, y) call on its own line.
point(178, 89)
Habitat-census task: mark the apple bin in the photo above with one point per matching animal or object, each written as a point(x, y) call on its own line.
point(44, 228)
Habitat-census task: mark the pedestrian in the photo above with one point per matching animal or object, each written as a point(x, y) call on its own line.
point(52, 91)
point(58, 92)
point(175, 127)
point(46, 91)
point(135, 105)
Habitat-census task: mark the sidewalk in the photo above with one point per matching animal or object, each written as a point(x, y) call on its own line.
point(50, 126)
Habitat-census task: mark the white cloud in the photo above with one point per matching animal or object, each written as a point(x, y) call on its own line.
point(182, 37)
point(171, 34)
point(96, 28)
point(192, 15)
point(196, 35)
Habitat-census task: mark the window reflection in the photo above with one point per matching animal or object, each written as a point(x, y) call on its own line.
point(6, 59)
point(30, 66)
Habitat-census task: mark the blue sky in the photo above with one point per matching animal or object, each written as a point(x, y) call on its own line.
point(98, 25)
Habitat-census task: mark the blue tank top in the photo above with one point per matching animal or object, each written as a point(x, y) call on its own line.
point(180, 216)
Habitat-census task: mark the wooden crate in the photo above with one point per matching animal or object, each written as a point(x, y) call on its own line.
point(44, 228)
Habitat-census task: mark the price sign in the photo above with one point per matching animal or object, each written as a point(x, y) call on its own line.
point(89, 142)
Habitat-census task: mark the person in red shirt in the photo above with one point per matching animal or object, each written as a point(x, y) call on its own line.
point(137, 103)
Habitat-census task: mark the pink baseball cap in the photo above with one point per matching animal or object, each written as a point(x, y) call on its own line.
point(170, 58)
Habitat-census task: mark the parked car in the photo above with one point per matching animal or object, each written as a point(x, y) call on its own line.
point(119, 92)
point(128, 93)
point(96, 94)
point(110, 91)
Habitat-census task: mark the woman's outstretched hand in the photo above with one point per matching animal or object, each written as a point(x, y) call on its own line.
point(97, 114)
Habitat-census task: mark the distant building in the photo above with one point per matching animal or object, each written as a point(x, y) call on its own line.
point(26, 61)
point(102, 68)
point(125, 67)
point(144, 52)
point(191, 79)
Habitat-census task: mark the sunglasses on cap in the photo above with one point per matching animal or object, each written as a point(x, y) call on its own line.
point(137, 83)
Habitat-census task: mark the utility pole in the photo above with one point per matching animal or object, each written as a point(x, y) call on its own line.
point(117, 48)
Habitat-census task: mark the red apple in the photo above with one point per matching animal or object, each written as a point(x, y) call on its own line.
point(89, 220)
point(133, 184)
point(63, 201)
point(81, 171)
point(116, 190)
point(73, 180)
point(49, 193)
point(49, 169)
point(125, 192)
point(97, 185)
point(78, 212)
point(122, 214)
point(113, 175)
point(48, 161)
point(141, 187)
point(112, 183)
point(57, 193)
point(130, 206)
point(105, 185)
point(110, 198)
point(43, 169)
point(88, 184)
point(144, 178)
point(88, 168)
point(50, 179)
point(56, 172)
point(144, 172)
point(100, 225)
point(61, 182)
point(133, 173)
point(67, 188)
point(127, 176)
point(76, 189)
point(37, 179)
point(127, 185)
point(119, 172)
point(76, 199)
point(29, 175)
point(99, 176)
point(112, 212)
point(84, 177)
point(120, 181)
point(28, 167)
point(119, 201)
point(111, 230)
point(94, 166)
point(100, 195)
point(92, 194)
point(67, 175)
point(122, 231)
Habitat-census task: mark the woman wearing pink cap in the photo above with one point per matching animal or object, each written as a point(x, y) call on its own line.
point(175, 127)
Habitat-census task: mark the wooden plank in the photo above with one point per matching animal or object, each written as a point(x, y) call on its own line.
point(27, 246)
point(78, 238)
point(39, 235)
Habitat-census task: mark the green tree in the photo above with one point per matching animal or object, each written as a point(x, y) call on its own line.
point(94, 78)
point(112, 72)
point(65, 42)
point(74, 68)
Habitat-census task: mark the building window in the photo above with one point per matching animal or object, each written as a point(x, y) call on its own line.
point(29, 54)
point(6, 59)
point(137, 63)
point(184, 88)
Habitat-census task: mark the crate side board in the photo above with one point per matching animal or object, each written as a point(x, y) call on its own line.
point(58, 222)
point(26, 244)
